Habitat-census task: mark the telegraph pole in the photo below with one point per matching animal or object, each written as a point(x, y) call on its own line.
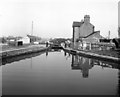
point(31, 39)
point(109, 35)
point(32, 28)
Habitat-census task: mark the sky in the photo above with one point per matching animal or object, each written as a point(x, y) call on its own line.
point(54, 18)
point(119, 14)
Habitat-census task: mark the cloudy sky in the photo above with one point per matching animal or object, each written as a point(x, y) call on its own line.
point(119, 14)
point(54, 18)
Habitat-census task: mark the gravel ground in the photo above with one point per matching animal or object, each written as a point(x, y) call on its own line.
point(110, 52)
point(113, 53)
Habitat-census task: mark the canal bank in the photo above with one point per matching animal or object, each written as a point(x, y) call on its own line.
point(92, 55)
point(37, 48)
point(22, 51)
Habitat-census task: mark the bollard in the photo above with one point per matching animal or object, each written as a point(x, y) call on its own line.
point(65, 45)
point(46, 44)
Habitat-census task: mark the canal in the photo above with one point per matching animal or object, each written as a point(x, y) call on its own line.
point(58, 73)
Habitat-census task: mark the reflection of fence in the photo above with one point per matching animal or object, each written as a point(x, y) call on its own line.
point(105, 64)
point(79, 62)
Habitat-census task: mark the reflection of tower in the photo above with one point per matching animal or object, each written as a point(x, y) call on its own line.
point(85, 67)
point(81, 63)
point(46, 53)
point(31, 63)
point(75, 62)
point(65, 53)
point(69, 54)
point(72, 60)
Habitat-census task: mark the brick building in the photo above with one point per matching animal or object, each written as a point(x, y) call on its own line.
point(84, 31)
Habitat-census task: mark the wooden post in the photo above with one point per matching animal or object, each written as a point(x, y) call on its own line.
point(89, 46)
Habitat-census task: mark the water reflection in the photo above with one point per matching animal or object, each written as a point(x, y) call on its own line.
point(31, 63)
point(79, 62)
point(20, 57)
point(84, 64)
point(4, 61)
point(46, 53)
point(52, 50)
point(118, 88)
point(59, 74)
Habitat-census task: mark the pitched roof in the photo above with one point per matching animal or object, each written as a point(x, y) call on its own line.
point(92, 34)
point(77, 24)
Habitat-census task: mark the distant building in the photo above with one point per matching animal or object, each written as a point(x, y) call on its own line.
point(34, 38)
point(19, 41)
point(25, 40)
point(84, 31)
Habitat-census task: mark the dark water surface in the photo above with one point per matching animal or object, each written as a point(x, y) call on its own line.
point(59, 73)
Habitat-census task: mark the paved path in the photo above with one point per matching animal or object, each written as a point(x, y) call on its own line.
point(21, 50)
point(27, 47)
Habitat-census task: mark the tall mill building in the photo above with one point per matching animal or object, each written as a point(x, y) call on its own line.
point(84, 31)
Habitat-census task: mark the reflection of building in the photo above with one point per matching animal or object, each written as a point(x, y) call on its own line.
point(84, 64)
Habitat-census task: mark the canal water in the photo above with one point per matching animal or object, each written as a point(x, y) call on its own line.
point(59, 73)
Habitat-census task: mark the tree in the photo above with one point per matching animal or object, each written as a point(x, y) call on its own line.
point(4, 40)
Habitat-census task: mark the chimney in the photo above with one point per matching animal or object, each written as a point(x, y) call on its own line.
point(82, 20)
point(87, 19)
